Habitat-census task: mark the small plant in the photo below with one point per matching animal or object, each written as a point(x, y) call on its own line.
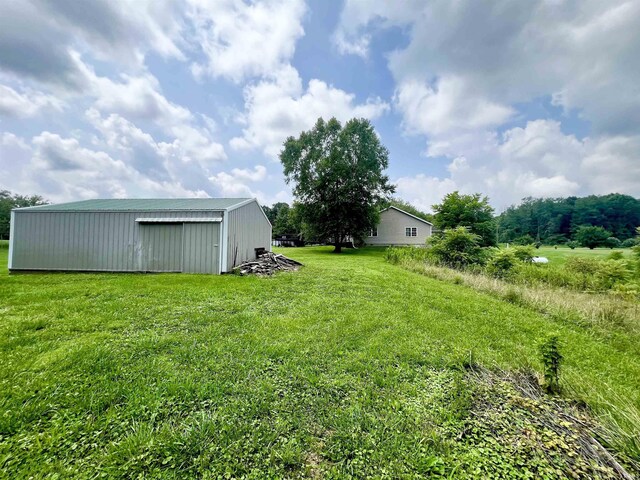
point(573, 244)
point(512, 296)
point(551, 361)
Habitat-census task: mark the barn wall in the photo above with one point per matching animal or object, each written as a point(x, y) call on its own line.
point(391, 230)
point(247, 229)
point(100, 241)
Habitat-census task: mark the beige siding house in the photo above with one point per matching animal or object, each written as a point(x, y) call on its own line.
point(398, 227)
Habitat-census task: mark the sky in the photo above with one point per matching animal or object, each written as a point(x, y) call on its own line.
point(194, 98)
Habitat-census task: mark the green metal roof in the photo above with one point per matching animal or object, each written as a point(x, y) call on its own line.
point(141, 204)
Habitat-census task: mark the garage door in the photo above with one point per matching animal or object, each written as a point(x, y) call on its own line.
point(161, 247)
point(201, 249)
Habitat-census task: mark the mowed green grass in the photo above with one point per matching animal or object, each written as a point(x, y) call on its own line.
point(558, 256)
point(348, 367)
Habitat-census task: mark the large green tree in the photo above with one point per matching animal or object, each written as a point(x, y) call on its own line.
point(470, 211)
point(592, 237)
point(338, 177)
point(9, 201)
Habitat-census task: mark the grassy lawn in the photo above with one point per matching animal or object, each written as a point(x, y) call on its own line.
point(561, 254)
point(349, 367)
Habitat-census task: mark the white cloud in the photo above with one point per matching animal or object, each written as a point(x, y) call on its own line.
point(140, 98)
point(537, 160)
point(43, 39)
point(246, 183)
point(584, 53)
point(450, 105)
point(240, 39)
point(26, 103)
point(280, 108)
point(61, 169)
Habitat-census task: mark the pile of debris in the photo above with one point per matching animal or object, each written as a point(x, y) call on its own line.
point(267, 263)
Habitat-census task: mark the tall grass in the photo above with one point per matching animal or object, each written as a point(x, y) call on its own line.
point(568, 296)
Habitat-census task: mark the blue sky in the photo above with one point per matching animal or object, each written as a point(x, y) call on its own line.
point(174, 98)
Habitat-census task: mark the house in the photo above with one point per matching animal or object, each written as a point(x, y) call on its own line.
point(397, 227)
point(194, 235)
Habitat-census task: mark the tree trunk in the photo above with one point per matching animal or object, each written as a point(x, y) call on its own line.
point(337, 238)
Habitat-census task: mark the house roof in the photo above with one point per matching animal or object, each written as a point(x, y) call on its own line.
point(143, 204)
point(408, 214)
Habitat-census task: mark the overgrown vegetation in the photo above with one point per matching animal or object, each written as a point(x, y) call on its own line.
point(348, 367)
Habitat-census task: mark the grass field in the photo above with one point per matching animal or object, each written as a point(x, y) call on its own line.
point(561, 254)
point(349, 367)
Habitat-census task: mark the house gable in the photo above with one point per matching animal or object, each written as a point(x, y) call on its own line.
point(397, 227)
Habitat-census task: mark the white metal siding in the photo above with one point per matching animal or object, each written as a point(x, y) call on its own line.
point(161, 245)
point(201, 248)
point(247, 229)
point(97, 241)
point(391, 230)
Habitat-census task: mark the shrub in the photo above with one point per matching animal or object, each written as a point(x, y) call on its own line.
point(612, 242)
point(573, 244)
point(586, 266)
point(457, 248)
point(551, 362)
point(524, 253)
point(584, 270)
point(628, 243)
point(610, 273)
point(523, 240)
point(502, 262)
point(592, 237)
point(616, 255)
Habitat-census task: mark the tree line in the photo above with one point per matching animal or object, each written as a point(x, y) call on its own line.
point(556, 221)
point(9, 201)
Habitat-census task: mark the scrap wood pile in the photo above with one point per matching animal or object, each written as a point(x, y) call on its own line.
point(267, 263)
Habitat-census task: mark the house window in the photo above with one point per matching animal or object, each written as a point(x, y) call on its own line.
point(411, 231)
point(374, 232)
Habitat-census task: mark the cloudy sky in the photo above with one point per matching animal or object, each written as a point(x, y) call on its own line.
point(174, 98)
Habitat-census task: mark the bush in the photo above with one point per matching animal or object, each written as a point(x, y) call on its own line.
point(628, 243)
point(523, 240)
point(502, 262)
point(583, 265)
point(524, 253)
point(573, 244)
point(612, 242)
point(616, 255)
point(610, 273)
point(457, 248)
point(592, 237)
